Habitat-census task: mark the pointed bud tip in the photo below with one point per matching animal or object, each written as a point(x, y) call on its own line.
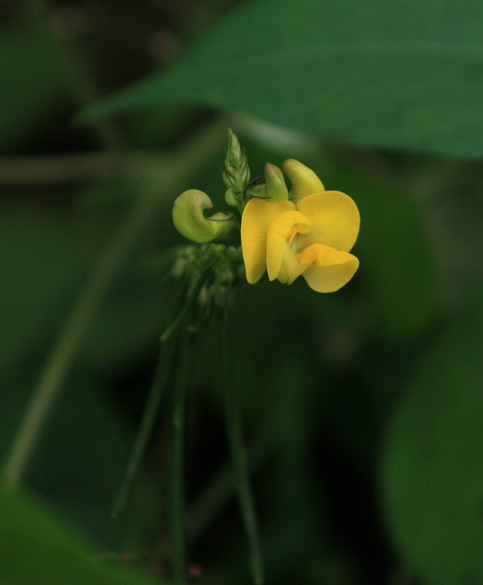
point(304, 180)
point(276, 188)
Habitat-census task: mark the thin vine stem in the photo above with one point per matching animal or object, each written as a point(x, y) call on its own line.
point(178, 515)
point(146, 427)
point(179, 311)
point(151, 410)
point(241, 469)
point(187, 353)
point(68, 342)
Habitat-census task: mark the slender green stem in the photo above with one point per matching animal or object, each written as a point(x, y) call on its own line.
point(110, 262)
point(188, 306)
point(178, 515)
point(239, 458)
point(161, 375)
point(69, 340)
point(147, 424)
point(220, 489)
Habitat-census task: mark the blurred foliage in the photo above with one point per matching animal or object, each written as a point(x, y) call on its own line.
point(362, 408)
point(433, 484)
point(36, 548)
point(372, 73)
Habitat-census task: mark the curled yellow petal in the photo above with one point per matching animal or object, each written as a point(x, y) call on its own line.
point(304, 180)
point(335, 220)
point(190, 221)
point(281, 260)
point(257, 216)
point(329, 269)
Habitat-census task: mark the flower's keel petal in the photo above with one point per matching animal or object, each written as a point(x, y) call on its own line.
point(281, 260)
point(330, 269)
point(257, 217)
point(335, 220)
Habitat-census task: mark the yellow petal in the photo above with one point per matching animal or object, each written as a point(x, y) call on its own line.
point(335, 220)
point(281, 260)
point(304, 180)
point(257, 216)
point(331, 269)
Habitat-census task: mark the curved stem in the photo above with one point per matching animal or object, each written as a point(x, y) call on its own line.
point(69, 341)
point(91, 296)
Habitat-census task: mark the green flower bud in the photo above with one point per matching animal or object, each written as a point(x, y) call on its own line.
point(276, 189)
point(190, 221)
point(236, 172)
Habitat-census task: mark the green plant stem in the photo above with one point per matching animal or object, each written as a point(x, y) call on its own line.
point(69, 340)
point(241, 468)
point(173, 326)
point(147, 424)
point(219, 490)
point(178, 515)
point(161, 375)
point(165, 357)
point(110, 262)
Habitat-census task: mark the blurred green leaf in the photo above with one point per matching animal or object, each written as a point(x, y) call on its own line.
point(397, 264)
point(130, 323)
point(35, 548)
point(388, 73)
point(32, 81)
point(80, 458)
point(43, 258)
point(433, 472)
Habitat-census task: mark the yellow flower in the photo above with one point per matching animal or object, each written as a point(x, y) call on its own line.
point(310, 235)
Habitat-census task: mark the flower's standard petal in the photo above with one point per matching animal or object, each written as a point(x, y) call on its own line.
point(304, 180)
point(330, 269)
point(335, 220)
point(281, 261)
point(257, 216)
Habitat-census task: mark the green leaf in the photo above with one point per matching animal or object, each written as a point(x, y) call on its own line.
point(36, 548)
point(385, 73)
point(397, 265)
point(433, 472)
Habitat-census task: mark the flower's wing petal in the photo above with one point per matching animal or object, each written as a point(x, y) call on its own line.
point(335, 220)
point(330, 269)
point(257, 216)
point(281, 260)
point(304, 180)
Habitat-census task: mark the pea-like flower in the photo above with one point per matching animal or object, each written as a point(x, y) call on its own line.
point(309, 234)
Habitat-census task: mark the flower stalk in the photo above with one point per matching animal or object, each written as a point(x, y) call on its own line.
point(178, 430)
point(239, 460)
